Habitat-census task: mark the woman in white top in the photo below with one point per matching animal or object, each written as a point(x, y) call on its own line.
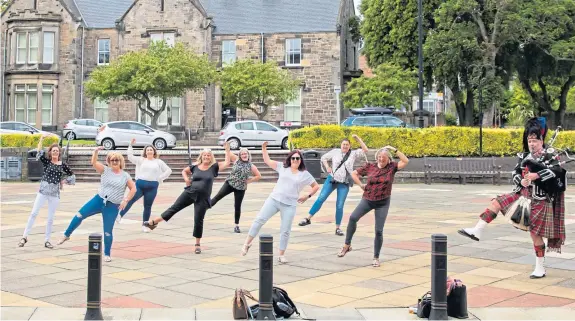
point(339, 179)
point(150, 172)
point(284, 198)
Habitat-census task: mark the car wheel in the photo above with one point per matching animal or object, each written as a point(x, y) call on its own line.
point(285, 143)
point(108, 144)
point(234, 143)
point(70, 136)
point(160, 143)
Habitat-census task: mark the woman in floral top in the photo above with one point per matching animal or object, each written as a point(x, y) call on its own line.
point(376, 196)
point(237, 182)
point(56, 173)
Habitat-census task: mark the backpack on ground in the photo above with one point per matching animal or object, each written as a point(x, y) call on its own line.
point(283, 305)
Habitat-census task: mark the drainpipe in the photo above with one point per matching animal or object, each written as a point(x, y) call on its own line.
point(82, 79)
point(262, 37)
point(2, 83)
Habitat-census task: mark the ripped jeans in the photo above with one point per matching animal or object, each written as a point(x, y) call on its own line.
point(94, 206)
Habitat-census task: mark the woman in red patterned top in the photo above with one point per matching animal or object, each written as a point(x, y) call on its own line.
point(376, 196)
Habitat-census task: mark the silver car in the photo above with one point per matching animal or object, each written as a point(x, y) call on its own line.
point(120, 133)
point(81, 128)
point(21, 127)
point(252, 133)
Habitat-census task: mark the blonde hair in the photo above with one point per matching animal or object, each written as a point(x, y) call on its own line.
point(205, 150)
point(118, 156)
point(243, 149)
point(387, 153)
point(156, 155)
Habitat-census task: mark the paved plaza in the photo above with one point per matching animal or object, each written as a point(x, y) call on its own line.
point(159, 269)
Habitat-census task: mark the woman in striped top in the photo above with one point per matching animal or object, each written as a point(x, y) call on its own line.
point(109, 200)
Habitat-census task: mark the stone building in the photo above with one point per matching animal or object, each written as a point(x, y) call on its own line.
point(49, 48)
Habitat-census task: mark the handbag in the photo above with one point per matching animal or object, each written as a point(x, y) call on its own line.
point(240, 307)
point(519, 212)
point(424, 305)
point(457, 302)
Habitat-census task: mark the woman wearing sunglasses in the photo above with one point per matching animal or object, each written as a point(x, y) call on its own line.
point(284, 198)
point(376, 196)
point(197, 191)
point(109, 200)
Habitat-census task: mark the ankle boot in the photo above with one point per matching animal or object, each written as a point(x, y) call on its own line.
point(539, 271)
point(474, 233)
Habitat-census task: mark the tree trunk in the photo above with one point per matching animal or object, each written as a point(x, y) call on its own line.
point(156, 113)
point(469, 104)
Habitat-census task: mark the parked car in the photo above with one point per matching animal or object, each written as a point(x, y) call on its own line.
point(21, 127)
point(376, 121)
point(252, 133)
point(81, 128)
point(372, 110)
point(119, 134)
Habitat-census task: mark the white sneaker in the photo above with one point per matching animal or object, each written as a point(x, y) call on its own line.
point(118, 218)
point(282, 259)
point(539, 271)
point(107, 259)
point(145, 229)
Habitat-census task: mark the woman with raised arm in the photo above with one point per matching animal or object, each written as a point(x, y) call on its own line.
point(55, 174)
point(376, 196)
point(109, 200)
point(197, 191)
point(150, 172)
point(237, 182)
point(342, 160)
point(293, 178)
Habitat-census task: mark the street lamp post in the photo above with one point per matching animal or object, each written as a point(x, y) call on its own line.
point(420, 58)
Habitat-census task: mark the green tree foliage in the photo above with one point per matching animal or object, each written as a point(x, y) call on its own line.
point(3, 5)
point(159, 71)
point(390, 86)
point(256, 86)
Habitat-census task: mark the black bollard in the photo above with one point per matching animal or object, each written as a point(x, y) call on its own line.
point(94, 310)
point(438, 277)
point(266, 311)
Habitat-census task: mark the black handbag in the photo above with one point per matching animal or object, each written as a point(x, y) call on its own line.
point(424, 305)
point(457, 302)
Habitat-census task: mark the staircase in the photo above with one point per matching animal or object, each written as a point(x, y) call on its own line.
point(177, 160)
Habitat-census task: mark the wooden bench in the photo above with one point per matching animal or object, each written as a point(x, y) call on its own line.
point(462, 168)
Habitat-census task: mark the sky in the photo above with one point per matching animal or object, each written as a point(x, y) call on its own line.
point(357, 4)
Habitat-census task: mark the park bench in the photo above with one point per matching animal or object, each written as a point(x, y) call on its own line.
point(462, 168)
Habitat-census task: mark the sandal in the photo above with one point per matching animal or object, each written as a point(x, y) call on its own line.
point(304, 222)
point(198, 249)
point(151, 226)
point(376, 263)
point(245, 249)
point(282, 259)
point(344, 251)
point(339, 232)
point(48, 245)
point(107, 258)
point(64, 239)
point(22, 242)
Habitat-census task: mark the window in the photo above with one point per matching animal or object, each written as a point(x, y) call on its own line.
point(292, 110)
point(140, 127)
point(429, 105)
point(168, 37)
point(173, 106)
point(228, 52)
point(375, 121)
point(393, 122)
point(48, 56)
point(103, 51)
point(33, 44)
point(26, 103)
point(245, 126)
point(265, 127)
point(100, 110)
point(21, 48)
point(293, 52)
point(47, 103)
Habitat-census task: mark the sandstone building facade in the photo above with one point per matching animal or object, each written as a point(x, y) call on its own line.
point(50, 47)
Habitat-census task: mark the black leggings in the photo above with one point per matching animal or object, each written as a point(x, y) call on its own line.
point(201, 205)
point(381, 208)
point(238, 198)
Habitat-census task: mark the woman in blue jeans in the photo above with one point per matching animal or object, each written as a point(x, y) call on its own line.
point(109, 200)
point(339, 179)
point(284, 198)
point(150, 172)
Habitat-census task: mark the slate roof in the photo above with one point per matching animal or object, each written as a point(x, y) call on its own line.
point(233, 16)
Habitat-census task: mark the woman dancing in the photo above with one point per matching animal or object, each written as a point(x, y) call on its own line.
point(376, 196)
point(545, 188)
point(109, 200)
point(237, 182)
point(339, 179)
point(197, 192)
point(150, 172)
point(284, 198)
point(55, 174)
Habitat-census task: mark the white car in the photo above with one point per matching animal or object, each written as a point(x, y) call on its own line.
point(120, 133)
point(81, 128)
point(252, 133)
point(21, 127)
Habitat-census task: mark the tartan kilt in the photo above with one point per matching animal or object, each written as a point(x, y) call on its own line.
point(547, 219)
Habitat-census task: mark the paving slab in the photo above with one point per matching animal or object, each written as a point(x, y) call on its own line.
point(168, 314)
point(16, 313)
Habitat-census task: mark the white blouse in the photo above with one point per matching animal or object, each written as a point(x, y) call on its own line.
point(154, 170)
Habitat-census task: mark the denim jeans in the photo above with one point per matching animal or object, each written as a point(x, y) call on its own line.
point(53, 202)
point(326, 190)
point(149, 190)
point(269, 209)
point(94, 206)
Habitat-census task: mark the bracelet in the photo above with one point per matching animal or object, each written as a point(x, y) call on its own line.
point(309, 196)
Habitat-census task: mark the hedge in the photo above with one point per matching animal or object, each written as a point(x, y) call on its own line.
point(25, 140)
point(432, 141)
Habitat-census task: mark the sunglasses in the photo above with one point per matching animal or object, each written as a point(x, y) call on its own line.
point(115, 160)
point(296, 158)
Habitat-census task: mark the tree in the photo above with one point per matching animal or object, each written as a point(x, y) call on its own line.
point(390, 86)
point(160, 71)
point(256, 86)
point(3, 5)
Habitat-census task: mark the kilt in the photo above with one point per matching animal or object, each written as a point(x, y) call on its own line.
point(547, 218)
